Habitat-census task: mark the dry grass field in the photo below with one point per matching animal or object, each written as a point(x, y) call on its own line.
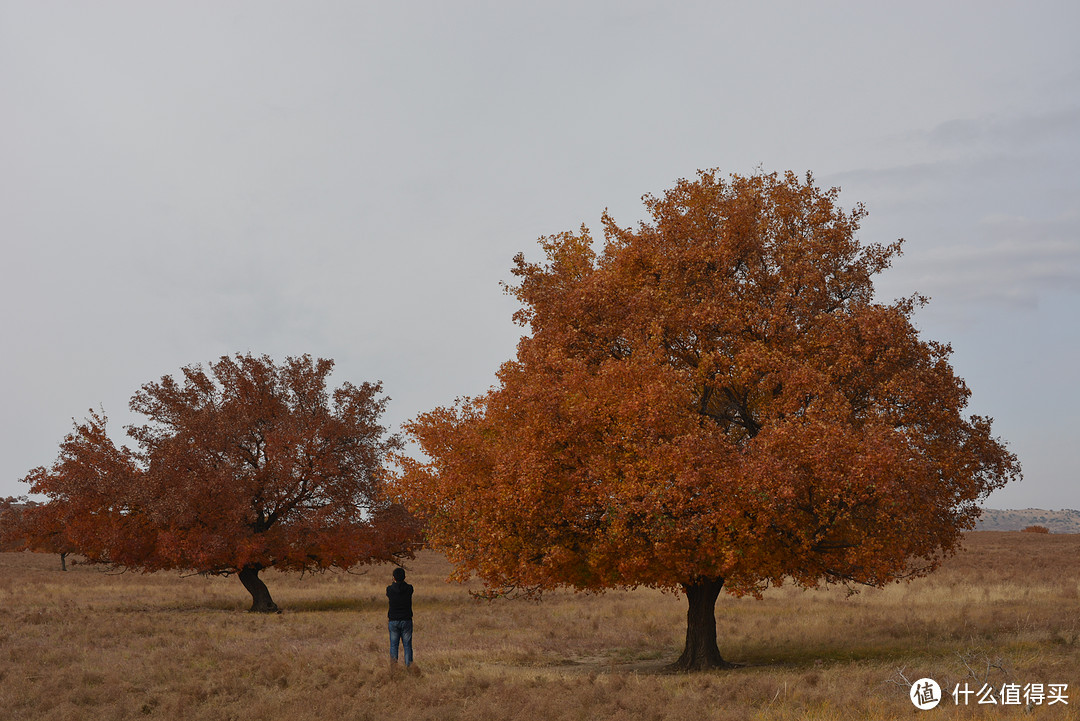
point(89, 645)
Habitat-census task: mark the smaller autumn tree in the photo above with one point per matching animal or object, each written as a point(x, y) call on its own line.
point(27, 525)
point(242, 466)
point(714, 402)
point(12, 536)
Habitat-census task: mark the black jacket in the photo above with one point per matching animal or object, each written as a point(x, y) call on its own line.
point(400, 595)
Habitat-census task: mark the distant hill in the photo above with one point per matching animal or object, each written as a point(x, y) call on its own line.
point(1066, 520)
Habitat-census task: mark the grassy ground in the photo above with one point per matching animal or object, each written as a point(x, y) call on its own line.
point(88, 645)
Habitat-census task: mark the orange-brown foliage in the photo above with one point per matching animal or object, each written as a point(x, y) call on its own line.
point(1036, 529)
point(246, 464)
point(11, 535)
point(29, 525)
point(716, 395)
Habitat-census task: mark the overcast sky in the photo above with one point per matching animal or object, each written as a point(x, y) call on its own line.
point(182, 180)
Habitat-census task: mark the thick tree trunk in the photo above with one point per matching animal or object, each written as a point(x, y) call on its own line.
point(260, 594)
point(701, 651)
point(63, 561)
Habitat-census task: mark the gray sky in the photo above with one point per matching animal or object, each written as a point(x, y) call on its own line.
point(182, 180)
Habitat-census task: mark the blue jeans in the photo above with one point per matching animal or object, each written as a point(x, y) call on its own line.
point(401, 631)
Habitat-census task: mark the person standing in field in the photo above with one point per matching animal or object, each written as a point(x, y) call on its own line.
point(400, 617)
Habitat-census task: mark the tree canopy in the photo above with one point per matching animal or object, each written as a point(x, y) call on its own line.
point(241, 466)
point(27, 525)
point(714, 400)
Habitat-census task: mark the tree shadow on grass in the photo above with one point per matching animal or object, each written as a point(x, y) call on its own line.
point(331, 604)
point(810, 657)
point(660, 662)
point(241, 606)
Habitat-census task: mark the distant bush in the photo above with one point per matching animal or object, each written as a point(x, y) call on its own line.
point(1036, 529)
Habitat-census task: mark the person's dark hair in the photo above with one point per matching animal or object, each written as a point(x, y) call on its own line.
point(399, 574)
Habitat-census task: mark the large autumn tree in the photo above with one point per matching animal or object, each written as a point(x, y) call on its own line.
point(715, 401)
point(241, 466)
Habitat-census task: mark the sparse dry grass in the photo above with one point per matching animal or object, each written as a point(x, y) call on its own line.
point(88, 645)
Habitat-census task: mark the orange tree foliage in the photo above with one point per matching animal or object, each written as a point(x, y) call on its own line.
point(715, 400)
point(31, 526)
point(242, 466)
point(12, 536)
